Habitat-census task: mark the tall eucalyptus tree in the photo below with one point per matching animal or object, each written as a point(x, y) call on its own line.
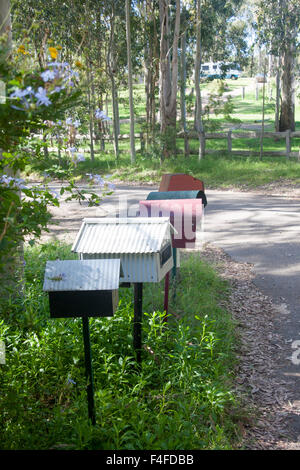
point(168, 77)
point(278, 27)
point(129, 65)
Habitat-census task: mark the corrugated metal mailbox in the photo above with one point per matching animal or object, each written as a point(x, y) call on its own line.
point(142, 244)
point(83, 288)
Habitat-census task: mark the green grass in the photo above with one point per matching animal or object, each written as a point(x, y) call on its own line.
point(182, 398)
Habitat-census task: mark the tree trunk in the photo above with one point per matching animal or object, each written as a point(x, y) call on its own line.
point(148, 62)
point(168, 79)
point(155, 71)
point(263, 115)
point(91, 115)
point(198, 60)
point(5, 22)
point(277, 104)
point(287, 111)
point(182, 93)
point(111, 66)
point(115, 117)
point(132, 144)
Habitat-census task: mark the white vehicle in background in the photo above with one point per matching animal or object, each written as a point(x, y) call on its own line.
point(212, 70)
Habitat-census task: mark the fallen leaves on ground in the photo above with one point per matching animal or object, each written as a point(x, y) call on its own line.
point(262, 352)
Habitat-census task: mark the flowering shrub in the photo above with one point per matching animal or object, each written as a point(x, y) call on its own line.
point(35, 101)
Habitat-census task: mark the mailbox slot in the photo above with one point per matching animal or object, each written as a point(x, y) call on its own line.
point(165, 254)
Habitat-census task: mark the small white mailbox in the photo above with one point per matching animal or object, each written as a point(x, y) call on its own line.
point(143, 244)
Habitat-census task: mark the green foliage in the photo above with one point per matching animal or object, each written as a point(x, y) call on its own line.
point(218, 105)
point(277, 25)
point(180, 398)
point(35, 102)
point(23, 113)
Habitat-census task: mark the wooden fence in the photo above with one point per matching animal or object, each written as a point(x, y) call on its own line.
point(230, 136)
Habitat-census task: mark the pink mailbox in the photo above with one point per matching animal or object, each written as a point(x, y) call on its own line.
point(185, 215)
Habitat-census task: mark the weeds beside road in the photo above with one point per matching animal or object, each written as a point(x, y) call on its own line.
point(181, 399)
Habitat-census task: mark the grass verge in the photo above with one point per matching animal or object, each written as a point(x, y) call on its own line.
point(217, 172)
point(182, 398)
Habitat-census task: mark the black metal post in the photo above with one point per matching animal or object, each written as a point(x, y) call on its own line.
point(166, 297)
point(137, 320)
point(88, 368)
point(174, 274)
point(175, 263)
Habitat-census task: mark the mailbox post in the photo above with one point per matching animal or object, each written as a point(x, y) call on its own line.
point(83, 288)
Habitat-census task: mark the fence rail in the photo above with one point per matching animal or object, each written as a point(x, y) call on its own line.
point(230, 136)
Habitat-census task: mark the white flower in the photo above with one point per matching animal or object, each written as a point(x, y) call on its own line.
point(76, 123)
point(80, 157)
point(101, 115)
point(48, 75)
point(42, 97)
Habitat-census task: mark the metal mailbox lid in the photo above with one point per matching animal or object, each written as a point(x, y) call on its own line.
point(82, 275)
point(180, 182)
point(132, 235)
point(158, 195)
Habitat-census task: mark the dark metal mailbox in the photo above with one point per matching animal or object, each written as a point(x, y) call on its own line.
point(160, 195)
point(185, 215)
point(80, 288)
point(180, 182)
point(83, 288)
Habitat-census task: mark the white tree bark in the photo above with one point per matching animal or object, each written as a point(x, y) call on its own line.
point(287, 110)
point(132, 144)
point(198, 60)
point(168, 78)
point(5, 22)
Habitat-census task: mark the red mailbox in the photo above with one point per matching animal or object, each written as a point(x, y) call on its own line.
point(180, 182)
point(185, 215)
